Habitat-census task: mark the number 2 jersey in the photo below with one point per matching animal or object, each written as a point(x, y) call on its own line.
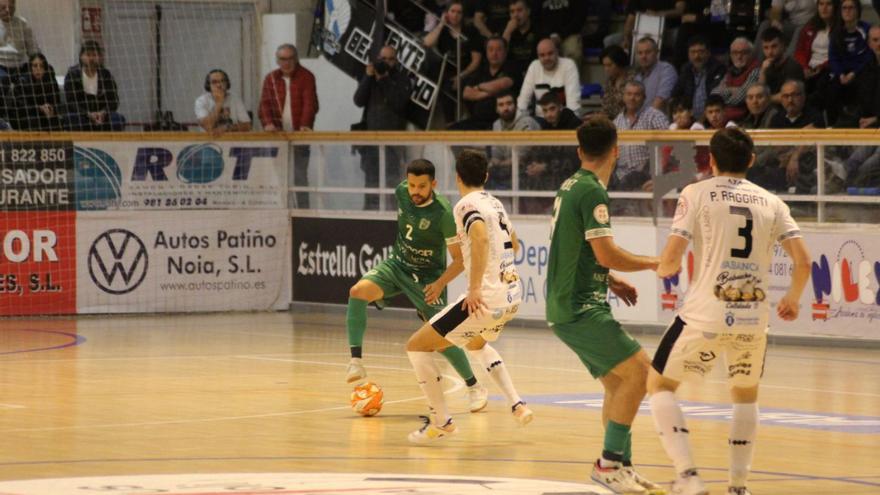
point(733, 224)
point(423, 232)
point(500, 285)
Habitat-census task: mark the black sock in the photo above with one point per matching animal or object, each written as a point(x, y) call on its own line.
point(356, 351)
point(470, 382)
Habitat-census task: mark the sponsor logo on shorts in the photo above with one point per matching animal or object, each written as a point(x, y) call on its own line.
point(707, 356)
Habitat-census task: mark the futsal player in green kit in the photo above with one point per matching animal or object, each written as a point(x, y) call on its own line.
point(582, 250)
point(416, 268)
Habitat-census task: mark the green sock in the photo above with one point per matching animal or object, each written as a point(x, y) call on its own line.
point(615, 441)
point(356, 323)
point(458, 359)
point(628, 449)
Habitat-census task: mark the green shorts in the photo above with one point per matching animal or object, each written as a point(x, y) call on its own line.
point(598, 340)
point(395, 278)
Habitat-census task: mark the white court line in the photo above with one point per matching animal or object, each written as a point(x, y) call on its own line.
point(12, 406)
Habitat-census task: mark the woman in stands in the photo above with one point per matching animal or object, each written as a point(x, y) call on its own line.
point(848, 54)
point(812, 50)
point(37, 97)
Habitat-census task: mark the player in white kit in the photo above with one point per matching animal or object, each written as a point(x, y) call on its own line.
point(733, 224)
point(488, 244)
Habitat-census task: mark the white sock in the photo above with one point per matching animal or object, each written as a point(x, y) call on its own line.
point(491, 361)
point(743, 429)
point(429, 380)
point(673, 431)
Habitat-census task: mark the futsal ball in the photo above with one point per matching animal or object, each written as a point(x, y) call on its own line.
point(367, 399)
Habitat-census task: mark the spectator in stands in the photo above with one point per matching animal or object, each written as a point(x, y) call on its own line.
point(522, 37)
point(289, 102)
point(550, 73)
point(90, 93)
point(445, 37)
point(491, 16)
point(659, 77)
point(788, 16)
point(37, 97)
point(694, 23)
point(617, 74)
point(17, 42)
point(847, 55)
point(714, 114)
point(683, 116)
point(632, 170)
point(509, 119)
point(761, 111)
point(383, 92)
point(777, 67)
point(743, 71)
point(556, 117)
point(812, 50)
point(562, 21)
point(796, 115)
point(869, 83)
point(217, 109)
point(670, 10)
point(494, 76)
point(699, 76)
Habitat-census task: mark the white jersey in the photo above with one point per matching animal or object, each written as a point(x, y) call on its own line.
point(500, 286)
point(733, 224)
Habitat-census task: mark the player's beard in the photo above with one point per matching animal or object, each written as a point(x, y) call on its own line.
point(418, 200)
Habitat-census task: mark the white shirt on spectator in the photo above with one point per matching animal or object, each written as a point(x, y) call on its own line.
point(90, 84)
point(538, 81)
point(237, 112)
point(799, 11)
point(286, 115)
point(820, 49)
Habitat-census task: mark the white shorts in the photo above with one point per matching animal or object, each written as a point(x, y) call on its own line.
point(455, 324)
point(686, 354)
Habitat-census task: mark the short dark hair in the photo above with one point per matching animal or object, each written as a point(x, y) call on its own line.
point(732, 149)
point(698, 40)
point(714, 100)
point(472, 167)
point(683, 103)
point(90, 46)
point(505, 94)
point(548, 98)
point(421, 166)
point(597, 136)
point(496, 38)
point(617, 55)
point(772, 33)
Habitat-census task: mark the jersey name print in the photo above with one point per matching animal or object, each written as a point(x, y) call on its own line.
point(423, 232)
point(733, 224)
point(501, 286)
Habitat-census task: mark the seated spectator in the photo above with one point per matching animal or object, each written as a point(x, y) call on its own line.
point(714, 115)
point(847, 56)
point(744, 71)
point(694, 23)
point(616, 65)
point(789, 17)
point(550, 73)
point(869, 83)
point(555, 116)
point(218, 110)
point(522, 37)
point(811, 51)
point(659, 77)
point(562, 21)
point(509, 119)
point(90, 93)
point(491, 16)
point(632, 170)
point(761, 111)
point(37, 97)
point(699, 76)
point(494, 76)
point(796, 115)
point(17, 43)
point(683, 117)
point(777, 67)
point(444, 38)
point(670, 10)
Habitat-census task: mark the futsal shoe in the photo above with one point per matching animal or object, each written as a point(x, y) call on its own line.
point(356, 371)
point(689, 483)
point(521, 413)
point(650, 487)
point(616, 479)
point(430, 433)
point(478, 396)
point(738, 490)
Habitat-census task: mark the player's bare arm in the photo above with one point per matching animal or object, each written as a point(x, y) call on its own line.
point(670, 258)
point(435, 288)
point(796, 248)
point(613, 257)
point(623, 289)
point(515, 242)
point(479, 238)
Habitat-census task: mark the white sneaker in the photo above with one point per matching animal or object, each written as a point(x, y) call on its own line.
point(521, 413)
point(616, 479)
point(650, 487)
point(689, 484)
point(356, 371)
point(478, 396)
point(429, 432)
point(738, 490)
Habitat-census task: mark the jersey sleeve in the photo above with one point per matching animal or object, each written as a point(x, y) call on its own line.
point(784, 227)
point(595, 214)
point(401, 193)
point(684, 222)
point(468, 213)
point(447, 228)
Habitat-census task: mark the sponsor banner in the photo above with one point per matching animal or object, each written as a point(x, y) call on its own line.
point(38, 263)
point(347, 38)
point(842, 298)
point(180, 176)
point(36, 175)
point(181, 261)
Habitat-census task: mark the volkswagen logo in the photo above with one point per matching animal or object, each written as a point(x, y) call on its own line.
point(118, 261)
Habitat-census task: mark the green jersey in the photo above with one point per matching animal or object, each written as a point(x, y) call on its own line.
point(423, 232)
point(576, 282)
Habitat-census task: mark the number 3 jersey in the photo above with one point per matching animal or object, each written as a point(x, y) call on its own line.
point(500, 281)
point(733, 224)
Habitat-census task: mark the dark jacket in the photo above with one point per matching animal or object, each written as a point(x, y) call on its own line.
point(385, 100)
point(567, 120)
point(869, 90)
point(78, 101)
point(687, 80)
point(30, 94)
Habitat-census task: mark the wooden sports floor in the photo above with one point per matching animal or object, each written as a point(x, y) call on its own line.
point(265, 392)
